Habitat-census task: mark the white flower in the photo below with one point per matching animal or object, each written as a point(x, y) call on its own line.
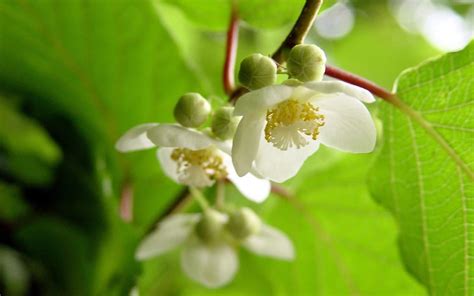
point(283, 125)
point(213, 263)
point(192, 158)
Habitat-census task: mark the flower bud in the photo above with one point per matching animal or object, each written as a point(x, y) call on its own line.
point(192, 110)
point(306, 62)
point(210, 226)
point(224, 123)
point(257, 71)
point(243, 223)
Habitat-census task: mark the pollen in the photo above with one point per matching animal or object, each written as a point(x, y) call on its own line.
point(199, 167)
point(292, 123)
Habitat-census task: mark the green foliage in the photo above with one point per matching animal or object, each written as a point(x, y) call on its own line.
point(215, 14)
point(424, 174)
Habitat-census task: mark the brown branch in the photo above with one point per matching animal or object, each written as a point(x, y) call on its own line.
point(300, 29)
point(231, 50)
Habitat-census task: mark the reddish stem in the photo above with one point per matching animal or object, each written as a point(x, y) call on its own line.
point(359, 81)
point(231, 50)
point(126, 202)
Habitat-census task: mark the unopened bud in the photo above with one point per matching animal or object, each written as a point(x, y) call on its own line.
point(243, 223)
point(257, 71)
point(192, 110)
point(306, 62)
point(224, 123)
point(210, 226)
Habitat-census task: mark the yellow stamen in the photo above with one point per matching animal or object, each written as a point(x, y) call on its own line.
point(206, 159)
point(289, 120)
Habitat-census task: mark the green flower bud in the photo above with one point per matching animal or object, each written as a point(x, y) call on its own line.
point(192, 110)
point(243, 223)
point(306, 62)
point(257, 71)
point(210, 226)
point(224, 123)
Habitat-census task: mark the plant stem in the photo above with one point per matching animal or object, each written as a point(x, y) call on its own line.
point(199, 197)
point(220, 194)
point(361, 82)
point(231, 50)
point(300, 29)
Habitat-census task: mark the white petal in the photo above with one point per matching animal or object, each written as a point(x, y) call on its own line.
point(170, 135)
point(278, 165)
point(261, 99)
point(135, 138)
point(348, 124)
point(169, 234)
point(270, 242)
point(169, 166)
point(250, 186)
point(224, 146)
point(212, 265)
point(330, 87)
point(246, 142)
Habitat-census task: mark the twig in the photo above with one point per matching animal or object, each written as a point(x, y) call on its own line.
point(300, 29)
point(126, 201)
point(359, 81)
point(231, 50)
point(281, 191)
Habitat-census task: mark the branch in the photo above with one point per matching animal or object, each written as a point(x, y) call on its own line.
point(231, 50)
point(300, 29)
point(361, 82)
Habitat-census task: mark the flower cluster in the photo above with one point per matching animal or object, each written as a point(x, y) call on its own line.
point(267, 137)
point(210, 242)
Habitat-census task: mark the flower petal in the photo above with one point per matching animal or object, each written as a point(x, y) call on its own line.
point(331, 87)
point(260, 100)
point(169, 166)
point(170, 135)
point(212, 265)
point(270, 242)
point(348, 124)
point(135, 138)
point(246, 142)
point(250, 186)
point(278, 165)
point(169, 234)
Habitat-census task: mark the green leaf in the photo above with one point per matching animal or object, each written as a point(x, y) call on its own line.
point(87, 71)
point(13, 206)
point(22, 135)
point(215, 14)
point(424, 174)
point(27, 151)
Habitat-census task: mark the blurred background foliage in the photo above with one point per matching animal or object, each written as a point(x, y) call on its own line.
point(74, 75)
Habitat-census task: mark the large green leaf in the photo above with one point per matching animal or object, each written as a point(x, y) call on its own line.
point(86, 71)
point(215, 14)
point(424, 174)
